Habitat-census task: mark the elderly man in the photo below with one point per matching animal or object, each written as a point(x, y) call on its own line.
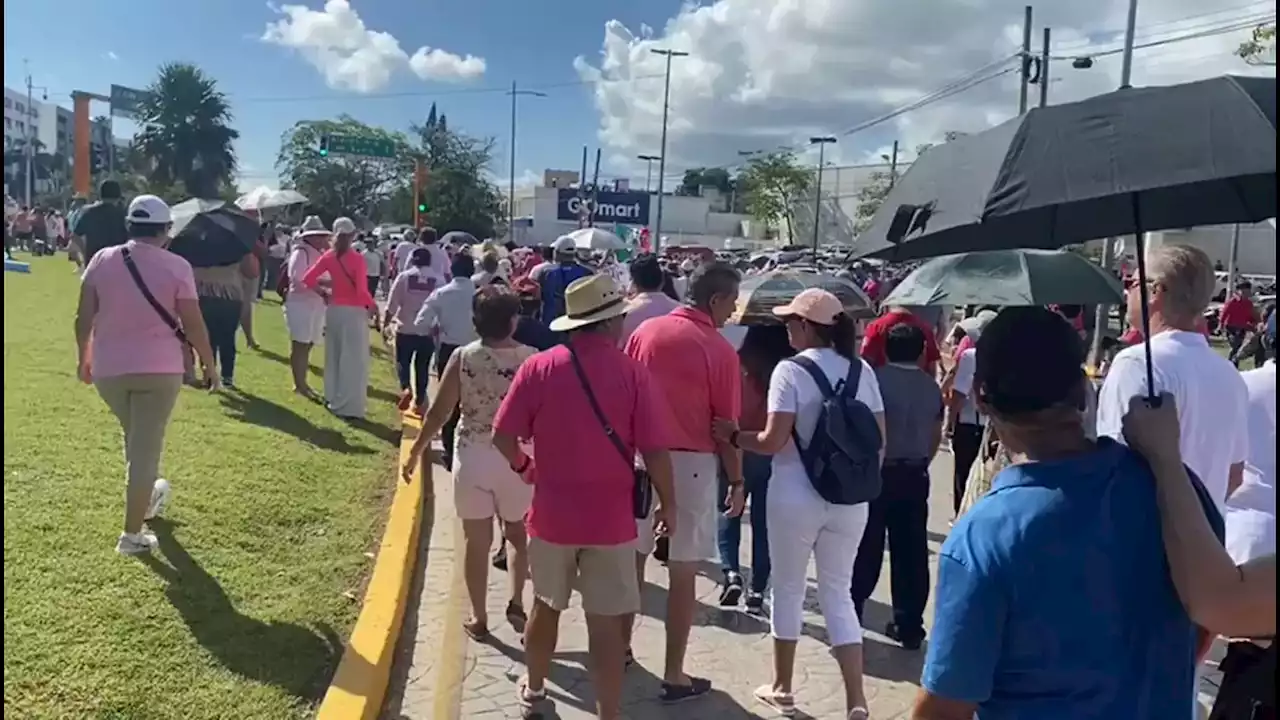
point(1212, 399)
point(692, 363)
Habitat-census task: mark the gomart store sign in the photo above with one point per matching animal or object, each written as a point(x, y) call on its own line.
point(625, 208)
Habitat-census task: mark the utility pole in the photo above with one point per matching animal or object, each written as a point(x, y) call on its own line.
point(1044, 70)
point(511, 184)
point(662, 156)
point(821, 142)
point(893, 166)
point(1103, 317)
point(595, 191)
point(648, 173)
point(1025, 59)
point(29, 149)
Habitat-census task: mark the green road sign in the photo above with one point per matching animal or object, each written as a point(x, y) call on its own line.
point(356, 145)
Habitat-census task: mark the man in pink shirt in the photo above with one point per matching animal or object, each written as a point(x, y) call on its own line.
point(138, 310)
point(649, 301)
point(568, 400)
point(697, 369)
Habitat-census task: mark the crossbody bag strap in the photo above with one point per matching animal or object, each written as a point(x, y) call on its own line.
point(164, 314)
point(599, 412)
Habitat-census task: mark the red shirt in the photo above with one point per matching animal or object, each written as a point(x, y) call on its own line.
point(694, 366)
point(878, 332)
point(1238, 313)
point(581, 483)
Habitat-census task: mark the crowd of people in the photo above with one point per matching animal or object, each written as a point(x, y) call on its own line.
point(1100, 537)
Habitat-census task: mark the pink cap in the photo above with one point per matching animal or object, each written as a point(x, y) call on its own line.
point(815, 305)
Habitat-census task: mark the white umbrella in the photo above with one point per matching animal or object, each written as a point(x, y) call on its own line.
point(593, 238)
point(264, 198)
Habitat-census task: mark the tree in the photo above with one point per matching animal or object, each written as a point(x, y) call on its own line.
point(696, 179)
point(340, 185)
point(1260, 49)
point(185, 137)
point(771, 186)
point(458, 193)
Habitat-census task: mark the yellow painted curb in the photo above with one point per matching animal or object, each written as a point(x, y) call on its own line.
point(360, 683)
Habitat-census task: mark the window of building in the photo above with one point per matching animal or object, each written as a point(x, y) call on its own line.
point(20, 108)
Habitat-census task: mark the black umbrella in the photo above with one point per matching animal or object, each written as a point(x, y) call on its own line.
point(1138, 159)
point(1123, 163)
point(758, 295)
point(208, 234)
point(458, 238)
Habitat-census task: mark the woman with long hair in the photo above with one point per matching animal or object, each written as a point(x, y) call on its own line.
point(801, 523)
point(475, 381)
point(346, 319)
point(763, 347)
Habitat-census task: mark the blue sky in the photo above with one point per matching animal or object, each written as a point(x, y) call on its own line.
point(271, 87)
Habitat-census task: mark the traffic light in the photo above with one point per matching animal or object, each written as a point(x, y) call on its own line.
point(97, 159)
point(324, 146)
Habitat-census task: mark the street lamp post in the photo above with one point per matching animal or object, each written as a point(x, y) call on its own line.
point(662, 156)
point(648, 172)
point(511, 183)
point(821, 142)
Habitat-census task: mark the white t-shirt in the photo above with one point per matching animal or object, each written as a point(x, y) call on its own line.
point(966, 364)
point(403, 250)
point(1251, 509)
point(1213, 402)
point(792, 390)
point(372, 263)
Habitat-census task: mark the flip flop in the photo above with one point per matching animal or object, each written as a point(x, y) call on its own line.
point(476, 631)
point(859, 714)
point(516, 616)
point(784, 703)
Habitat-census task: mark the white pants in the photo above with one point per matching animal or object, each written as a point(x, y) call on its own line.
point(803, 525)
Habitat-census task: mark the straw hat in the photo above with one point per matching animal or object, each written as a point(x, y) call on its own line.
point(589, 300)
point(312, 226)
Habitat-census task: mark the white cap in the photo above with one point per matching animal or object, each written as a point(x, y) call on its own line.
point(149, 210)
point(344, 226)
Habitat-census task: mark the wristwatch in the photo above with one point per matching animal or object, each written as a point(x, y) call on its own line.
point(733, 439)
point(524, 467)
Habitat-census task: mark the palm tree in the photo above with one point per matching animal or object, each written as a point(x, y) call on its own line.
point(185, 134)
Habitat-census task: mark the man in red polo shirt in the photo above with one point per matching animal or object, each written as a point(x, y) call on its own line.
point(696, 368)
point(1238, 317)
point(878, 331)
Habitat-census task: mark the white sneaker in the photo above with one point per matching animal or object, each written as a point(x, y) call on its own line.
point(160, 493)
point(136, 544)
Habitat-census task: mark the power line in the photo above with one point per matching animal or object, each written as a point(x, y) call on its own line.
point(1147, 29)
point(1210, 32)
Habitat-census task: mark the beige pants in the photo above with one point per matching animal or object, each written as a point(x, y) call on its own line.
point(605, 576)
point(142, 404)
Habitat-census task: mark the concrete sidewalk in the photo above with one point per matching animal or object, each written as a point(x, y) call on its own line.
point(440, 674)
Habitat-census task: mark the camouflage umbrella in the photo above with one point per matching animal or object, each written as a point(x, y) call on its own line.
point(760, 294)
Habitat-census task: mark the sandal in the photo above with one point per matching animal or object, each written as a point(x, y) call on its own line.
point(784, 703)
point(516, 616)
point(476, 630)
point(528, 700)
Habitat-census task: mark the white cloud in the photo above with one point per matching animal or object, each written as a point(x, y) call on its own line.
point(112, 56)
point(351, 56)
point(764, 73)
point(437, 64)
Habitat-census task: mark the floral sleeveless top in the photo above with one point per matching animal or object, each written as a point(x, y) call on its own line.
point(486, 374)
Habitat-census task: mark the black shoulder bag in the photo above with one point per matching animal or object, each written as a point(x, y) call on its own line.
point(642, 493)
point(164, 314)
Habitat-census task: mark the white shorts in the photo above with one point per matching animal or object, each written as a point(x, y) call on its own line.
point(305, 321)
point(696, 480)
point(484, 486)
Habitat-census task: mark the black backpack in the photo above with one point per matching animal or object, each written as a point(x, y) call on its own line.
point(843, 456)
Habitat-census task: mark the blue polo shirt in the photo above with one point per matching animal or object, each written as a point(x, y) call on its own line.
point(1054, 600)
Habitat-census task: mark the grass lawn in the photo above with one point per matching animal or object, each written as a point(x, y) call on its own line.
point(242, 613)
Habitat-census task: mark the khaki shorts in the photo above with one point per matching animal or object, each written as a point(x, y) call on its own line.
point(605, 576)
point(697, 487)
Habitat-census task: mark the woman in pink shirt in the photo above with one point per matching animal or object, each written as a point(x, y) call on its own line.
point(137, 308)
point(346, 319)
